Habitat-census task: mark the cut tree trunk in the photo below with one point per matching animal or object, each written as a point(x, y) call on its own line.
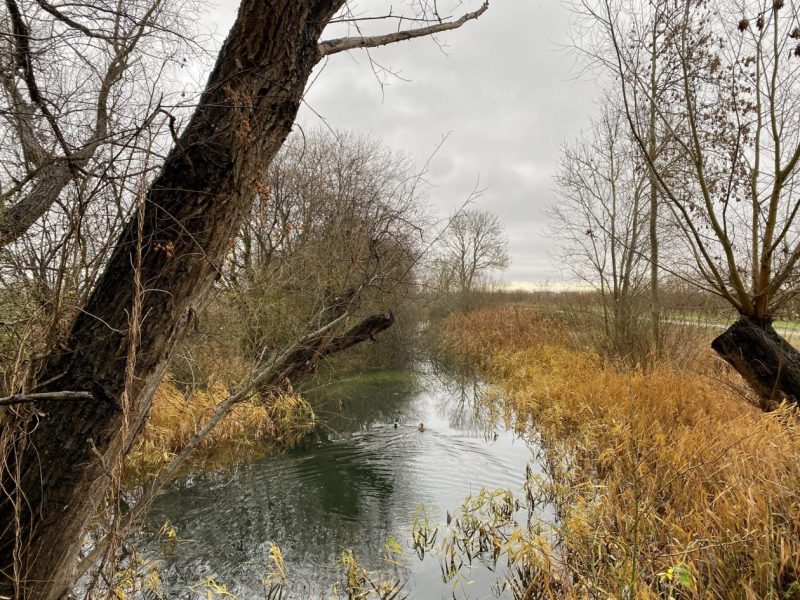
point(192, 212)
point(766, 361)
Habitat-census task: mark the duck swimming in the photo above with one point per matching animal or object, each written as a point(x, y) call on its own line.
point(421, 427)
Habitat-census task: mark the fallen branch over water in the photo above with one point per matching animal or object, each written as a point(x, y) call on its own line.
point(300, 357)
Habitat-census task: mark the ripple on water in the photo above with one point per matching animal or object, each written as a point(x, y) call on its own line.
point(347, 491)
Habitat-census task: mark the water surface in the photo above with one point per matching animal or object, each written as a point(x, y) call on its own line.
point(354, 485)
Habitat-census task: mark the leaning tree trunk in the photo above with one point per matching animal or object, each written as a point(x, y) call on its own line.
point(769, 364)
point(192, 212)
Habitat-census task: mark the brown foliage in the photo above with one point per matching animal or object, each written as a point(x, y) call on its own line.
point(648, 470)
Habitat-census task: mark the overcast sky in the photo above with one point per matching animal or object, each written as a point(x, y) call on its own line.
point(504, 91)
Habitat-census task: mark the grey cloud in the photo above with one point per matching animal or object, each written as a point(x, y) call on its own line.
point(504, 91)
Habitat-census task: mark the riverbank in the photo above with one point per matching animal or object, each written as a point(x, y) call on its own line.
point(666, 483)
point(250, 429)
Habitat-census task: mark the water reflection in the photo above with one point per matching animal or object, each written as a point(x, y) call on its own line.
point(465, 402)
point(353, 485)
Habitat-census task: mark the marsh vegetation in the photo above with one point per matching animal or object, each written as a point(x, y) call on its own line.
point(239, 357)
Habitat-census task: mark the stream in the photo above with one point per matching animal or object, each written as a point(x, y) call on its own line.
point(354, 484)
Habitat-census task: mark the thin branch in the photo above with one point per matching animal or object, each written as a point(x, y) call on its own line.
point(45, 396)
point(46, 6)
point(334, 46)
point(24, 62)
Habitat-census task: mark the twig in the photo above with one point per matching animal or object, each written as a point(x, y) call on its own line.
point(44, 396)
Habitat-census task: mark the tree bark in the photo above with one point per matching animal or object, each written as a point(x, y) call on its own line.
point(766, 361)
point(192, 211)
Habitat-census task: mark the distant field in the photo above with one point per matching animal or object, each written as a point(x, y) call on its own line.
point(710, 319)
point(783, 326)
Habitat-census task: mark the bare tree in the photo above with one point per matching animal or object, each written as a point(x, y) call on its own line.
point(601, 219)
point(730, 113)
point(84, 98)
point(342, 212)
point(322, 264)
point(647, 42)
point(60, 457)
point(473, 246)
point(77, 84)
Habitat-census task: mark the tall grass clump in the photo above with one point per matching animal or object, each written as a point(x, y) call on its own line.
point(177, 415)
point(620, 331)
point(664, 483)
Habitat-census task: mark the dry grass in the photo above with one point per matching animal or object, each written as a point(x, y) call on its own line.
point(650, 471)
point(176, 416)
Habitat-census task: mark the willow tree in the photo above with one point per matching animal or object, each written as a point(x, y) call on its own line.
point(730, 113)
point(62, 454)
